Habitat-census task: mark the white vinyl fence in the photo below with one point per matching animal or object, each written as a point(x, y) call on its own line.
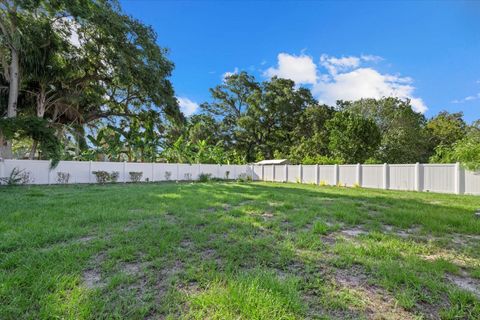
point(444, 178)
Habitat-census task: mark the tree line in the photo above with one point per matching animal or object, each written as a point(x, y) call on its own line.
point(81, 80)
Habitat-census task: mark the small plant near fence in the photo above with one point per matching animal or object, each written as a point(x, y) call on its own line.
point(227, 174)
point(63, 177)
point(323, 183)
point(204, 177)
point(187, 176)
point(17, 177)
point(243, 177)
point(105, 177)
point(168, 175)
point(135, 176)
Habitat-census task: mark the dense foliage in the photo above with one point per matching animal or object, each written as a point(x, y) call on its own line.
point(247, 121)
point(81, 80)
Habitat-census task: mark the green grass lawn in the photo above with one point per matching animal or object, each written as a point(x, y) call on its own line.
point(237, 251)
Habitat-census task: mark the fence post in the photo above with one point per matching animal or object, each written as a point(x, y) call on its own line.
point(90, 171)
point(178, 173)
point(2, 168)
point(286, 173)
point(153, 172)
point(273, 172)
point(385, 176)
point(300, 173)
point(458, 179)
point(49, 172)
point(124, 171)
point(263, 173)
point(359, 175)
point(253, 171)
point(336, 173)
point(418, 175)
point(317, 174)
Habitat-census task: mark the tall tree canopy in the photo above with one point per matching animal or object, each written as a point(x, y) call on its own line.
point(82, 63)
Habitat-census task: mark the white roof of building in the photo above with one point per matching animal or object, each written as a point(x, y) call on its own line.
point(279, 161)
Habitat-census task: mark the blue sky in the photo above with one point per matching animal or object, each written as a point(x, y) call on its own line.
point(426, 51)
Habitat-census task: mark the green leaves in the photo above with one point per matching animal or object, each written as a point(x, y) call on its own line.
point(37, 129)
point(353, 138)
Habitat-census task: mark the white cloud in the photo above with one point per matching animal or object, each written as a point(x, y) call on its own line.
point(187, 106)
point(334, 65)
point(346, 78)
point(230, 73)
point(300, 69)
point(371, 58)
point(366, 83)
point(469, 98)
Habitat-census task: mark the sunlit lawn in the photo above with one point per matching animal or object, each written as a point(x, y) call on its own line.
point(237, 251)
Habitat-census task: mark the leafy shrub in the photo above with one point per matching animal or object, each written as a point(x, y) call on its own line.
point(105, 177)
point(204, 177)
point(17, 177)
point(63, 177)
point(243, 177)
point(114, 176)
point(135, 176)
point(168, 175)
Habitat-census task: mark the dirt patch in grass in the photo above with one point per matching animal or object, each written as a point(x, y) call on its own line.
point(452, 257)
point(92, 276)
point(377, 303)
point(85, 239)
point(353, 232)
point(267, 215)
point(466, 283)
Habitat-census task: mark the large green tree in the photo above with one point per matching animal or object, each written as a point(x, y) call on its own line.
point(353, 138)
point(86, 63)
point(404, 137)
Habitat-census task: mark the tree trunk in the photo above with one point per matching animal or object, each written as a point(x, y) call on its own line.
point(14, 70)
point(5, 148)
point(33, 150)
point(41, 103)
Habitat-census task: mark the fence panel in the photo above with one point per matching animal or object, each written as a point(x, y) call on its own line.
point(39, 170)
point(309, 174)
point(439, 178)
point(79, 172)
point(401, 176)
point(243, 169)
point(267, 173)
point(109, 167)
point(293, 173)
point(223, 169)
point(257, 173)
point(372, 176)
point(279, 173)
point(187, 172)
point(165, 171)
point(211, 169)
point(347, 175)
point(472, 182)
point(147, 170)
point(327, 174)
